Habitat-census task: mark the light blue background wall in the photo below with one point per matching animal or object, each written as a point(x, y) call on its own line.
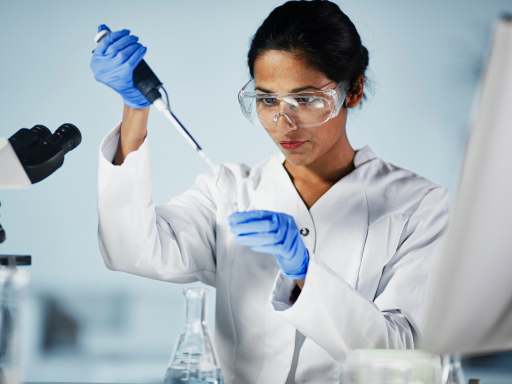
point(426, 57)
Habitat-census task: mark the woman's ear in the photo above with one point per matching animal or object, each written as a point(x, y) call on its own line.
point(355, 96)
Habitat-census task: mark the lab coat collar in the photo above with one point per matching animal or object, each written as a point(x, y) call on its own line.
point(362, 156)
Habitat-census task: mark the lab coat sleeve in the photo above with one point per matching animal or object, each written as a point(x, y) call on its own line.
point(336, 317)
point(174, 242)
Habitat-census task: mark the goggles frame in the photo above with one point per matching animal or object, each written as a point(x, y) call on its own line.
point(334, 97)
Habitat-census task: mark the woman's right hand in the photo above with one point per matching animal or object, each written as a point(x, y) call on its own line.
point(114, 61)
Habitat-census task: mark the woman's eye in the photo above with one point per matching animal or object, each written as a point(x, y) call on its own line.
point(306, 100)
point(268, 100)
point(310, 102)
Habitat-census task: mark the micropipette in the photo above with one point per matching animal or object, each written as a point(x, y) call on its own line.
point(146, 81)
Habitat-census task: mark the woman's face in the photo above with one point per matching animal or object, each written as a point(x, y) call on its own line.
point(285, 72)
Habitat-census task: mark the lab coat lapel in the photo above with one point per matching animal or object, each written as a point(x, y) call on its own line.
point(341, 221)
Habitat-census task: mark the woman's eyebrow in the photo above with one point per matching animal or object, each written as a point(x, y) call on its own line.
point(295, 90)
point(262, 90)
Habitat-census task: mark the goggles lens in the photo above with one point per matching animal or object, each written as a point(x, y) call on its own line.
point(304, 110)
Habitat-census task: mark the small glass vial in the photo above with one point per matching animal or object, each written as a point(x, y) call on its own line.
point(193, 360)
point(12, 285)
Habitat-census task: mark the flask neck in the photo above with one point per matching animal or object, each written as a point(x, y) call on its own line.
point(195, 306)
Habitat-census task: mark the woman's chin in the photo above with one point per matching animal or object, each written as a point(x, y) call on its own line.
point(298, 159)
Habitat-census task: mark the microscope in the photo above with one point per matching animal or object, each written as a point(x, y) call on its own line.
point(31, 155)
point(27, 157)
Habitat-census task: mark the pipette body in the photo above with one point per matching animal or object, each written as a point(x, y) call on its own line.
point(146, 81)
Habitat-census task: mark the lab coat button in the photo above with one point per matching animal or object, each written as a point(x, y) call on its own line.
point(304, 232)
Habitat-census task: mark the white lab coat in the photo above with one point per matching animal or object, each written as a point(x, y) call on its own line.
point(371, 241)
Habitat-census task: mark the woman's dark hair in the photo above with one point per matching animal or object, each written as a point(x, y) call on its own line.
point(321, 32)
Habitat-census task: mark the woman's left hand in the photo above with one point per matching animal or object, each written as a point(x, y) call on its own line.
point(273, 233)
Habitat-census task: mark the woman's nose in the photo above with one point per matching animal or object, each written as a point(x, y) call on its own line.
point(284, 124)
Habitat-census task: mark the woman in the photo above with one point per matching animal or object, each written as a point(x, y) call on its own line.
point(338, 242)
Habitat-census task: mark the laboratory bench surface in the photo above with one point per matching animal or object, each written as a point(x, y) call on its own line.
point(486, 376)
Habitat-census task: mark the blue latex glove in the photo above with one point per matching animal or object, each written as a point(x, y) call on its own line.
point(113, 62)
point(273, 233)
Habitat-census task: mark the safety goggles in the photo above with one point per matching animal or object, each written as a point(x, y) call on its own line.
point(302, 110)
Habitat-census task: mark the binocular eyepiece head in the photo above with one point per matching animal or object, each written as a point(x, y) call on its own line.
point(41, 152)
point(66, 137)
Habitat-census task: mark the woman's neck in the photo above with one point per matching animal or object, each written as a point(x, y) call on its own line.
point(329, 168)
point(312, 181)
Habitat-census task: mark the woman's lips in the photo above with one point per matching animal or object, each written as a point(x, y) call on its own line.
point(291, 144)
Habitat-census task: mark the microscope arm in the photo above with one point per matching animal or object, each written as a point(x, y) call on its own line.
point(12, 173)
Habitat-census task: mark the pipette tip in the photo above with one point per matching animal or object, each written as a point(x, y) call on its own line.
point(207, 159)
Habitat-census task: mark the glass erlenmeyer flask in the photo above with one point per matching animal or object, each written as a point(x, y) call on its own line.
point(193, 359)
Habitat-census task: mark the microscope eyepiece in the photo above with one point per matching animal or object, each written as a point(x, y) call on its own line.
point(66, 137)
point(42, 131)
